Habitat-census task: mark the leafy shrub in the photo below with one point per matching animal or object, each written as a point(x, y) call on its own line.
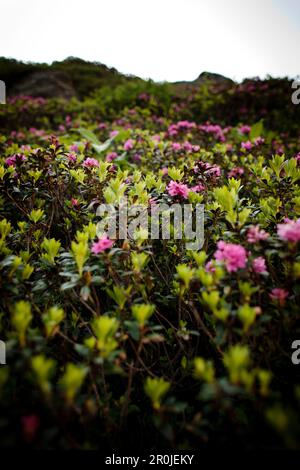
point(139, 340)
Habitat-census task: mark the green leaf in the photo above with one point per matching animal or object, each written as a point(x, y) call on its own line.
point(257, 130)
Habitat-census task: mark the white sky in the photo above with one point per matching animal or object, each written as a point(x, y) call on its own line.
point(159, 39)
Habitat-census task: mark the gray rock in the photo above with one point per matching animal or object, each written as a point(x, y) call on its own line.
point(48, 84)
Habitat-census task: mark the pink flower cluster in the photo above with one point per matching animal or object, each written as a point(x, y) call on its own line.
point(90, 162)
point(113, 133)
point(187, 146)
point(72, 157)
point(129, 144)
point(111, 156)
point(214, 129)
point(208, 169)
point(173, 129)
point(36, 132)
point(178, 189)
point(74, 148)
point(255, 234)
point(101, 245)
point(16, 159)
point(289, 231)
point(259, 141)
point(236, 172)
point(259, 265)
point(247, 145)
point(234, 256)
point(199, 188)
point(245, 129)
point(279, 294)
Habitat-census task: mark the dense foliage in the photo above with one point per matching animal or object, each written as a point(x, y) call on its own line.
point(140, 341)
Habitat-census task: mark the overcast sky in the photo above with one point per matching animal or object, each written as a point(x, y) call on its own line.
point(159, 39)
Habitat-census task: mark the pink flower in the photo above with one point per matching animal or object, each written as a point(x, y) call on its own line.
point(101, 245)
point(153, 201)
point(247, 145)
point(173, 130)
point(16, 159)
point(255, 235)
point(90, 162)
point(74, 202)
point(245, 129)
point(25, 147)
point(111, 156)
point(74, 148)
point(178, 189)
point(209, 267)
point(136, 157)
point(289, 231)
point(259, 140)
point(186, 125)
point(113, 133)
point(234, 256)
point(279, 294)
point(214, 129)
point(236, 172)
point(214, 170)
point(259, 265)
point(208, 169)
point(176, 146)
point(72, 157)
point(129, 144)
point(188, 146)
point(199, 188)
point(164, 171)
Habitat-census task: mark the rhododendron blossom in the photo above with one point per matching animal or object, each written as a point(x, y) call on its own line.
point(279, 294)
point(259, 265)
point(176, 146)
point(255, 234)
point(234, 256)
point(289, 231)
point(90, 162)
point(178, 189)
point(74, 148)
point(72, 157)
point(236, 172)
point(74, 202)
point(16, 159)
point(245, 130)
point(101, 245)
point(247, 145)
point(113, 133)
point(129, 144)
point(199, 188)
point(111, 156)
point(259, 141)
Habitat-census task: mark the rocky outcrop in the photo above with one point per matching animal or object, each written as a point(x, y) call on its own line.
point(213, 77)
point(47, 84)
